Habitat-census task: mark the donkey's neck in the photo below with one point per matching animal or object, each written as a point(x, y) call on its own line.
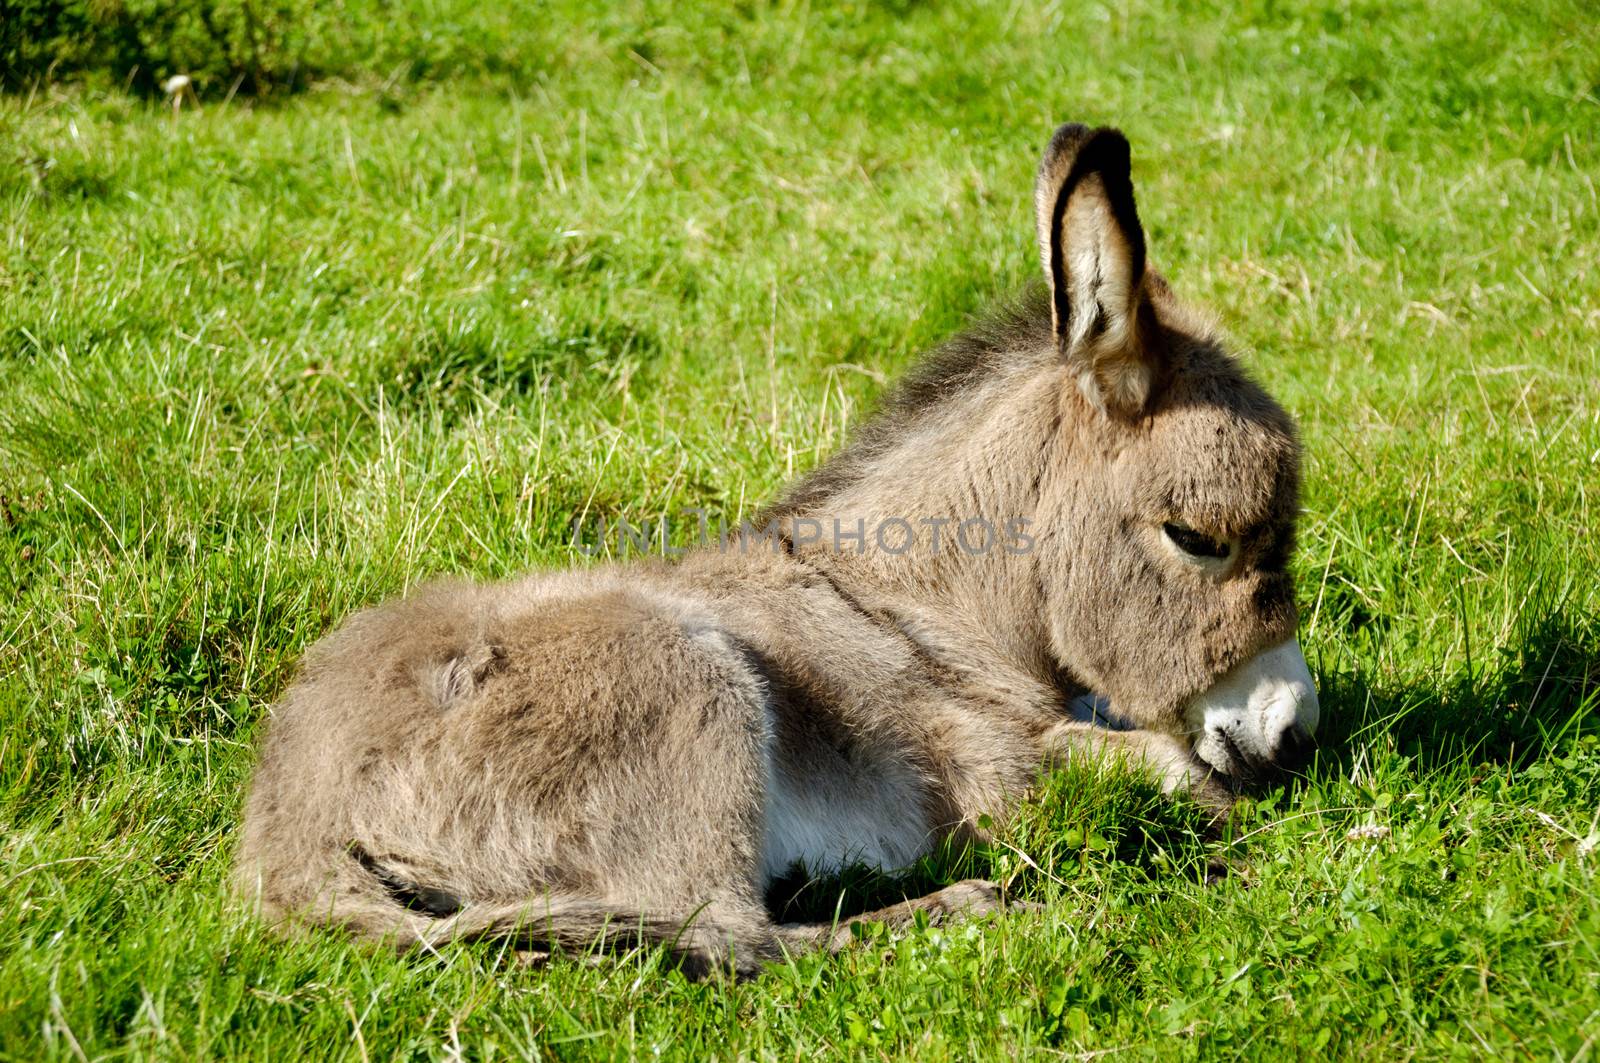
point(932, 516)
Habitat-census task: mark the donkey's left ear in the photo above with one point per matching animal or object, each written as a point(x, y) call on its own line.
point(1092, 248)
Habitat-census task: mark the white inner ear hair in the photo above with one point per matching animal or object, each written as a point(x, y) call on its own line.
point(1103, 296)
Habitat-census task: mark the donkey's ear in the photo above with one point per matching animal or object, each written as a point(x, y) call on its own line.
point(1092, 249)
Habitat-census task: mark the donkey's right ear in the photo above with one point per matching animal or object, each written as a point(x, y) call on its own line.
point(1092, 249)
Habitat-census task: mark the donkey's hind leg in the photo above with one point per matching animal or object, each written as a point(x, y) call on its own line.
point(966, 899)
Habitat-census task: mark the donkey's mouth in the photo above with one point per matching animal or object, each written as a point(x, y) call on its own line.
point(1254, 723)
point(1237, 765)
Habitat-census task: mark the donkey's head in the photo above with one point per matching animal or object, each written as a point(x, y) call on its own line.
point(1167, 575)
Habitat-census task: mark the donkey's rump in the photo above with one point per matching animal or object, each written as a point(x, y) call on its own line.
point(462, 748)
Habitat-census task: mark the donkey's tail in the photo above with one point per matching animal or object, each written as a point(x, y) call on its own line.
point(414, 915)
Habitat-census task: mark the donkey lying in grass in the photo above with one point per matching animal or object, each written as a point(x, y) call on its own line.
point(634, 753)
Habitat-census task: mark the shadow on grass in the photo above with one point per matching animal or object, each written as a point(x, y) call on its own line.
point(1508, 709)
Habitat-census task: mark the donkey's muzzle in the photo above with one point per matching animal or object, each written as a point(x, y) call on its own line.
point(1258, 719)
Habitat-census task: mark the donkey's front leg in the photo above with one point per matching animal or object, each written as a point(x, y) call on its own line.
point(1173, 763)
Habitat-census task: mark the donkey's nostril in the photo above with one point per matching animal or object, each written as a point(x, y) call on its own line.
point(1294, 749)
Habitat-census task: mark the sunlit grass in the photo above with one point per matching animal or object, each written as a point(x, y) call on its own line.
point(263, 364)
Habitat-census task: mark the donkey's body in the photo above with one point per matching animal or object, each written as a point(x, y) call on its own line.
point(641, 750)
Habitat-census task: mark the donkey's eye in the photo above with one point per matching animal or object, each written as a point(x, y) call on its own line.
point(1194, 543)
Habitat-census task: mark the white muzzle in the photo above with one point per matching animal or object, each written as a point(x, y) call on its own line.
point(1260, 716)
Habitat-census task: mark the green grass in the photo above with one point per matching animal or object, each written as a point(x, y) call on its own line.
point(266, 363)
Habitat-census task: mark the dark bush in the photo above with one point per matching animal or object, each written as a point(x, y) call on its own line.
point(256, 46)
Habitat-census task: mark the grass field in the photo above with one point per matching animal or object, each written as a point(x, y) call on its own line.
point(266, 362)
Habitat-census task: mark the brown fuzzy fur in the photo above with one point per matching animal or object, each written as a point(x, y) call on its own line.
point(601, 756)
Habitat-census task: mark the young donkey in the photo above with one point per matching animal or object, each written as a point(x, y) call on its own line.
point(634, 753)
